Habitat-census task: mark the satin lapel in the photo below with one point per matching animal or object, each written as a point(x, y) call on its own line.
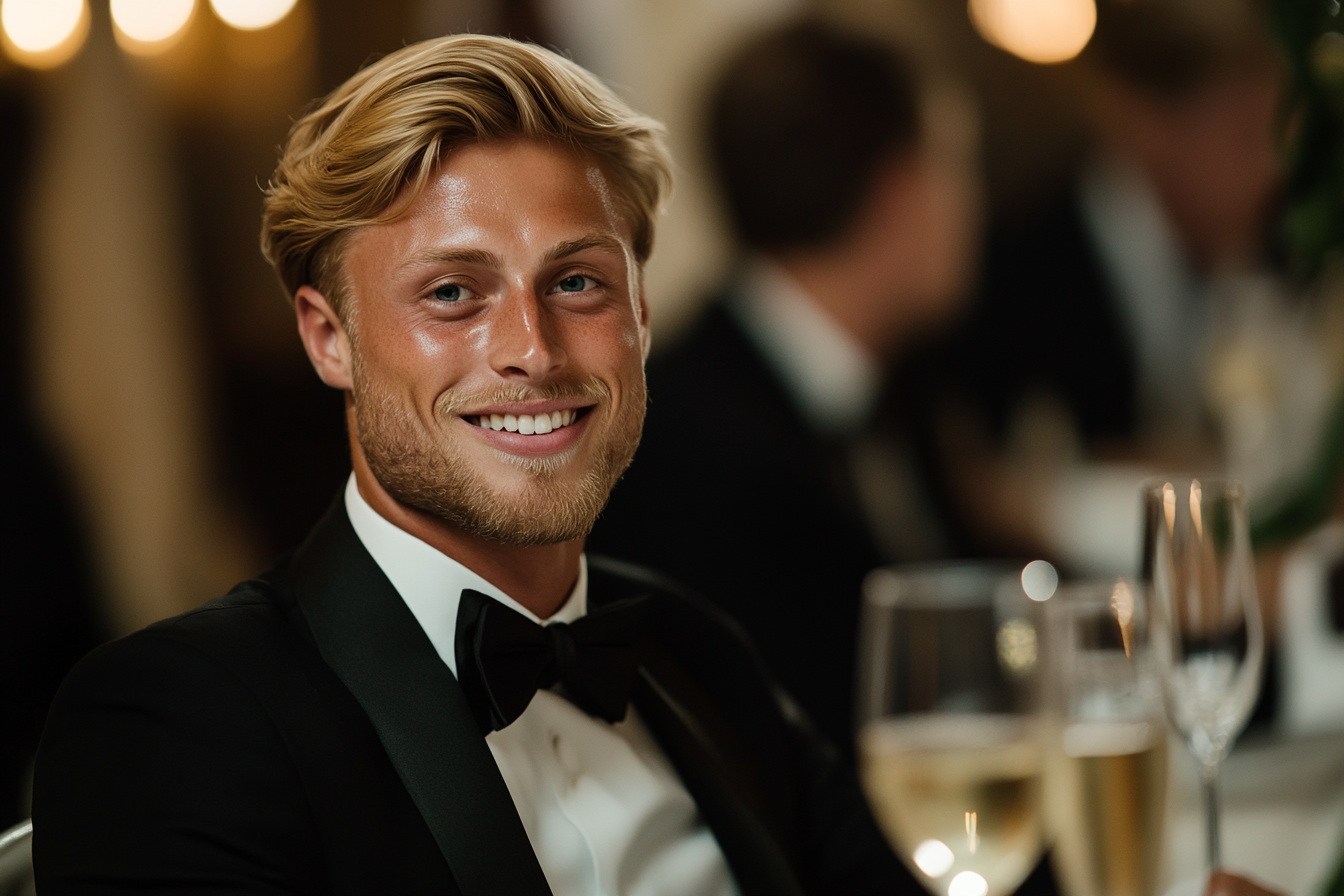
point(759, 865)
point(371, 640)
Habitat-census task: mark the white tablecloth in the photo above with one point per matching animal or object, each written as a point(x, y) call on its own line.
point(1283, 814)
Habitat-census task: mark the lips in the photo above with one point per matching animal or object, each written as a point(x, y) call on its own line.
point(526, 424)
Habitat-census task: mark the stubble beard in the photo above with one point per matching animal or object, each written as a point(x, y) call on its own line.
point(431, 471)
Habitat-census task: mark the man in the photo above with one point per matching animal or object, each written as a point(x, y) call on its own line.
point(783, 461)
point(437, 692)
point(1108, 331)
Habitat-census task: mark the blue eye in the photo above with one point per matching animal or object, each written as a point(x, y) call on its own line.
point(574, 283)
point(450, 292)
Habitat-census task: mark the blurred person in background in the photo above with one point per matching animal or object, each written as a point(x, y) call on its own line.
point(1137, 320)
point(783, 458)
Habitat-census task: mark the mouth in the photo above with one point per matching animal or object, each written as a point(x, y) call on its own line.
point(539, 423)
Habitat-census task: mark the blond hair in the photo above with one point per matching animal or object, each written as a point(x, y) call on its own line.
point(348, 159)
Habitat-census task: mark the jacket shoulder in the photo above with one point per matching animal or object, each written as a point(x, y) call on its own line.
point(216, 752)
point(677, 604)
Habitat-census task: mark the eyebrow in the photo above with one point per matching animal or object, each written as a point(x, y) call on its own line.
point(453, 256)
point(489, 259)
point(574, 247)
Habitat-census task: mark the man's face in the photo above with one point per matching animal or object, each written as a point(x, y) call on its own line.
point(498, 334)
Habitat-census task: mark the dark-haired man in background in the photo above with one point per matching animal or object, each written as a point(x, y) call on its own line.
point(779, 465)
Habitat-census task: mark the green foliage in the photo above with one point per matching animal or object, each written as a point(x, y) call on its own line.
point(1312, 35)
point(1308, 503)
point(1336, 885)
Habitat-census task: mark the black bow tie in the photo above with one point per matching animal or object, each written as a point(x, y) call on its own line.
point(503, 658)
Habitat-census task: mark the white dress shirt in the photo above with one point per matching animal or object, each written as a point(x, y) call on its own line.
point(602, 806)
point(1162, 302)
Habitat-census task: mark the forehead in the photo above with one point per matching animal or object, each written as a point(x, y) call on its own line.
point(511, 192)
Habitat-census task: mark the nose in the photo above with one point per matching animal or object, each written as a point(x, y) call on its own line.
point(524, 342)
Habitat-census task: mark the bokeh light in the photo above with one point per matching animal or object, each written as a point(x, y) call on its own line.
point(150, 25)
point(968, 883)
point(1016, 641)
point(43, 33)
point(251, 15)
point(1043, 31)
point(1039, 580)
point(933, 857)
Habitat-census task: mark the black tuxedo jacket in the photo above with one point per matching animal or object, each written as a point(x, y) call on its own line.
point(733, 493)
point(301, 735)
point(1046, 319)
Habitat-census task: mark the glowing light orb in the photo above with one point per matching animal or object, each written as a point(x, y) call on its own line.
point(43, 33)
point(151, 21)
point(1041, 31)
point(252, 15)
point(1016, 640)
point(968, 883)
point(933, 858)
point(1039, 580)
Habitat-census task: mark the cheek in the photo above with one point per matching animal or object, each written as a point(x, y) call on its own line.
point(626, 344)
point(413, 361)
point(613, 349)
point(477, 338)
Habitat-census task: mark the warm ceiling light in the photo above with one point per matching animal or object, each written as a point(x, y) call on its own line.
point(43, 33)
point(150, 24)
point(251, 15)
point(1036, 30)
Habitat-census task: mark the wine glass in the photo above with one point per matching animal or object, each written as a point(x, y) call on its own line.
point(1106, 769)
point(1207, 635)
point(948, 714)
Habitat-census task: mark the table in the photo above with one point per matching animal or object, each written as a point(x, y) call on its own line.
point(1283, 814)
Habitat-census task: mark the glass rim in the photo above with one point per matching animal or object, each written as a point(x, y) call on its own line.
point(1234, 488)
point(973, 582)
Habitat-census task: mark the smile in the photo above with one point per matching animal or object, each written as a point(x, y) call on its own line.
point(526, 424)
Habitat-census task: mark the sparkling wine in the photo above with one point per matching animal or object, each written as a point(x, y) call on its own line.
point(958, 796)
point(1106, 789)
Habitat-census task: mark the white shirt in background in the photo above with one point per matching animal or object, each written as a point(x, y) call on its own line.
point(832, 379)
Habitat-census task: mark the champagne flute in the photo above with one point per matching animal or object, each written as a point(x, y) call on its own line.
point(949, 741)
point(1207, 634)
point(1106, 775)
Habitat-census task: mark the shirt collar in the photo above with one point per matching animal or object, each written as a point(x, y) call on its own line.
point(833, 380)
point(431, 582)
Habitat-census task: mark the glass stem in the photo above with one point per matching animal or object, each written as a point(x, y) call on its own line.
point(1211, 808)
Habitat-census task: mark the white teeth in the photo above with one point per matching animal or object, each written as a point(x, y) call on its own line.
point(527, 424)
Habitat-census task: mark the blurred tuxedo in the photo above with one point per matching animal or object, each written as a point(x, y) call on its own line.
point(776, 471)
point(1105, 295)
point(1087, 299)
point(784, 456)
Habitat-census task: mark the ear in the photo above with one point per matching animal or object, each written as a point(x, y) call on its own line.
point(324, 338)
point(645, 334)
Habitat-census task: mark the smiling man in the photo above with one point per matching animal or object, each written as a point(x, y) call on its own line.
point(438, 692)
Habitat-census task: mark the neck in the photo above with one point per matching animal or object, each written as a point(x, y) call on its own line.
point(540, 577)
